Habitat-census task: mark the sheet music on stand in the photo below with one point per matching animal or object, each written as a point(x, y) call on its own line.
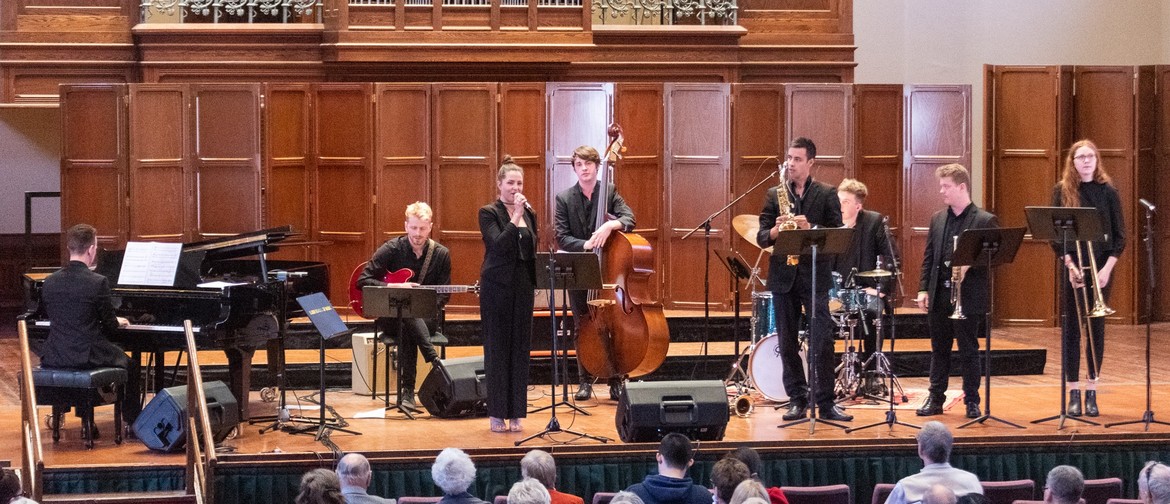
point(150, 263)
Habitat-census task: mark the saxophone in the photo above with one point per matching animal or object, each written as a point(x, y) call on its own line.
point(784, 206)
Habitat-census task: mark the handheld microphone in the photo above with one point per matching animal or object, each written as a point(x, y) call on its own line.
point(1149, 206)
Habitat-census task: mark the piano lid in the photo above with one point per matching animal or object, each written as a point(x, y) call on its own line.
point(241, 245)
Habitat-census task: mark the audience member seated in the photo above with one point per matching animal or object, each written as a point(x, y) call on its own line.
point(671, 485)
point(1154, 483)
point(934, 448)
point(751, 458)
point(725, 476)
point(1064, 485)
point(747, 490)
point(528, 491)
point(540, 466)
point(320, 486)
point(624, 497)
point(454, 473)
point(10, 491)
point(939, 494)
point(355, 474)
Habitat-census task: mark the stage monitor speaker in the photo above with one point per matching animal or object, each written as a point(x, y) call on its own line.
point(647, 411)
point(162, 424)
point(455, 388)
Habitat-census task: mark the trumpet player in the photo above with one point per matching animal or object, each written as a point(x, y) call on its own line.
point(799, 202)
point(937, 294)
point(1085, 184)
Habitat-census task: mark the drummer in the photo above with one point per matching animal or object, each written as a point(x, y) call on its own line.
point(868, 243)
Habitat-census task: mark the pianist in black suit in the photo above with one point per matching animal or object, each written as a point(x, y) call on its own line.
point(431, 264)
point(81, 314)
point(507, 280)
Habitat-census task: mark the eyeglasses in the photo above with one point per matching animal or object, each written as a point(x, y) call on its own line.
point(1085, 157)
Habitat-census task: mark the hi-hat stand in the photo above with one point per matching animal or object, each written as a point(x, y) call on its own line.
point(882, 364)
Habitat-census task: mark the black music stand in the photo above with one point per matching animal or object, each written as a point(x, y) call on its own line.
point(329, 325)
point(739, 271)
point(399, 303)
point(1064, 224)
point(988, 247)
point(564, 270)
point(831, 241)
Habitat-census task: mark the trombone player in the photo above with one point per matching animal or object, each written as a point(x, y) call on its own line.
point(1085, 184)
point(955, 298)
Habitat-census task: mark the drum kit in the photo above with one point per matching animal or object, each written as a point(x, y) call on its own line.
point(853, 302)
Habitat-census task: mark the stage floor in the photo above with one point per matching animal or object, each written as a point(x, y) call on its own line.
point(1019, 399)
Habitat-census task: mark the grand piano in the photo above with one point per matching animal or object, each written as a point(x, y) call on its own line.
point(236, 298)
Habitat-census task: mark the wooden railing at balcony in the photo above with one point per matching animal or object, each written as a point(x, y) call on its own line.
point(201, 456)
point(32, 457)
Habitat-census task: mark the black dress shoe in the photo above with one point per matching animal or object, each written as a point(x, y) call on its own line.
point(584, 391)
point(833, 412)
point(408, 399)
point(615, 391)
point(973, 410)
point(1091, 403)
point(1074, 403)
point(796, 411)
point(933, 406)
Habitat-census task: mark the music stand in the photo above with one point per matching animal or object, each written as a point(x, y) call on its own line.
point(739, 271)
point(329, 325)
point(988, 247)
point(830, 241)
point(564, 270)
point(399, 303)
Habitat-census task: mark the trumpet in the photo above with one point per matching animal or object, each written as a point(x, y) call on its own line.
point(956, 292)
point(784, 209)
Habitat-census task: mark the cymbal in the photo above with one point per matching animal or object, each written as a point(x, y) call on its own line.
point(748, 225)
point(877, 273)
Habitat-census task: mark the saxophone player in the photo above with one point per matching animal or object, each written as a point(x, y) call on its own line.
point(937, 297)
point(809, 204)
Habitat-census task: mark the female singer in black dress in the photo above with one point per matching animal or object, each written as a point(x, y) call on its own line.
point(507, 280)
point(1085, 184)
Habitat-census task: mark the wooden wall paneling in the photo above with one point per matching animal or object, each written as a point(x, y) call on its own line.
point(225, 156)
point(878, 147)
point(938, 132)
point(1162, 195)
point(1146, 138)
point(464, 164)
point(1105, 113)
point(161, 185)
point(94, 169)
point(403, 153)
point(824, 114)
point(289, 164)
point(640, 176)
point(577, 113)
point(698, 162)
point(758, 148)
point(343, 210)
point(522, 136)
point(1025, 161)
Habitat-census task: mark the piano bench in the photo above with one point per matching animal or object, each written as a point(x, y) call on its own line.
point(83, 389)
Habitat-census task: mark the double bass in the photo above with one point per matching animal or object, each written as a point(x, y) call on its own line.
point(626, 332)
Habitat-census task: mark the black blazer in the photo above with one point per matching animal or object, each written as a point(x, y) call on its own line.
point(822, 208)
point(974, 287)
point(868, 242)
point(573, 223)
point(501, 240)
point(77, 303)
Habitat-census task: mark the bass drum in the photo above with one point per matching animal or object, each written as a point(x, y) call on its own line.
point(766, 369)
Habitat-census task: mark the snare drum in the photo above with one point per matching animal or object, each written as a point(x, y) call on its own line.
point(763, 315)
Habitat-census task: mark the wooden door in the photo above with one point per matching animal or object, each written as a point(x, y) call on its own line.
point(577, 114)
point(94, 169)
point(403, 155)
point(161, 182)
point(289, 164)
point(640, 174)
point(225, 159)
point(758, 148)
point(522, 136)
point(1161, 190)
point(824, 114)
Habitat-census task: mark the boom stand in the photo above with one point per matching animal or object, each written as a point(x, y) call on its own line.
point(564, 270)
point(1066, 225)
point(329, 326)
point(991, 247)
point(1148, 416)
point(399, 303)
point(831, 241)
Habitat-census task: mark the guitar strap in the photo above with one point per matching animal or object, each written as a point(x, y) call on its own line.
point(427, 260)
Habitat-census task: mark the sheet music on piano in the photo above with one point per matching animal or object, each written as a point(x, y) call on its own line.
point(150, 263)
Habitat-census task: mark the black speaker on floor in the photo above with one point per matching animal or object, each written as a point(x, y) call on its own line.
point(455, 388)
point(162, 424)
point(648, 411)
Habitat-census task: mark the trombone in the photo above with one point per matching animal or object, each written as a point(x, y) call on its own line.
point(1086, 313)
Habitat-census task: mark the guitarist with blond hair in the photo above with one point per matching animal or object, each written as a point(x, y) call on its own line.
point(425, 263)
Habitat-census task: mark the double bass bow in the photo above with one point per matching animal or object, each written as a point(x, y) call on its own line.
point(626, 332)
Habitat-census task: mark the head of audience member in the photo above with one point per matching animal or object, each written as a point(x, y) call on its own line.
point(453, 471)
point(419, 218)
point(851, 193)
point(528, 491)
point(1064, 485)
point(934, 443)
point(802, 153)
point(540, 466)
point(354, 471)
point(625, 497)
point(320, 486)
point(749, 489)
point(1154, 483)
point(81, 240)
point(9, 486)
point(954, 184)
point(750, 458)
point(726, 475)
point(939, 494)
point(675, 455)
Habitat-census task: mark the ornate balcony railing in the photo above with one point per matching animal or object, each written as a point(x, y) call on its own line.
point(665, 12)
point(232, 11)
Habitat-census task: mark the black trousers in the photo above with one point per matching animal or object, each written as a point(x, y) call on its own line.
point(820, 342)
point(943, 333)
point(506, 313)
point(417, 338)
point(1072, 336)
